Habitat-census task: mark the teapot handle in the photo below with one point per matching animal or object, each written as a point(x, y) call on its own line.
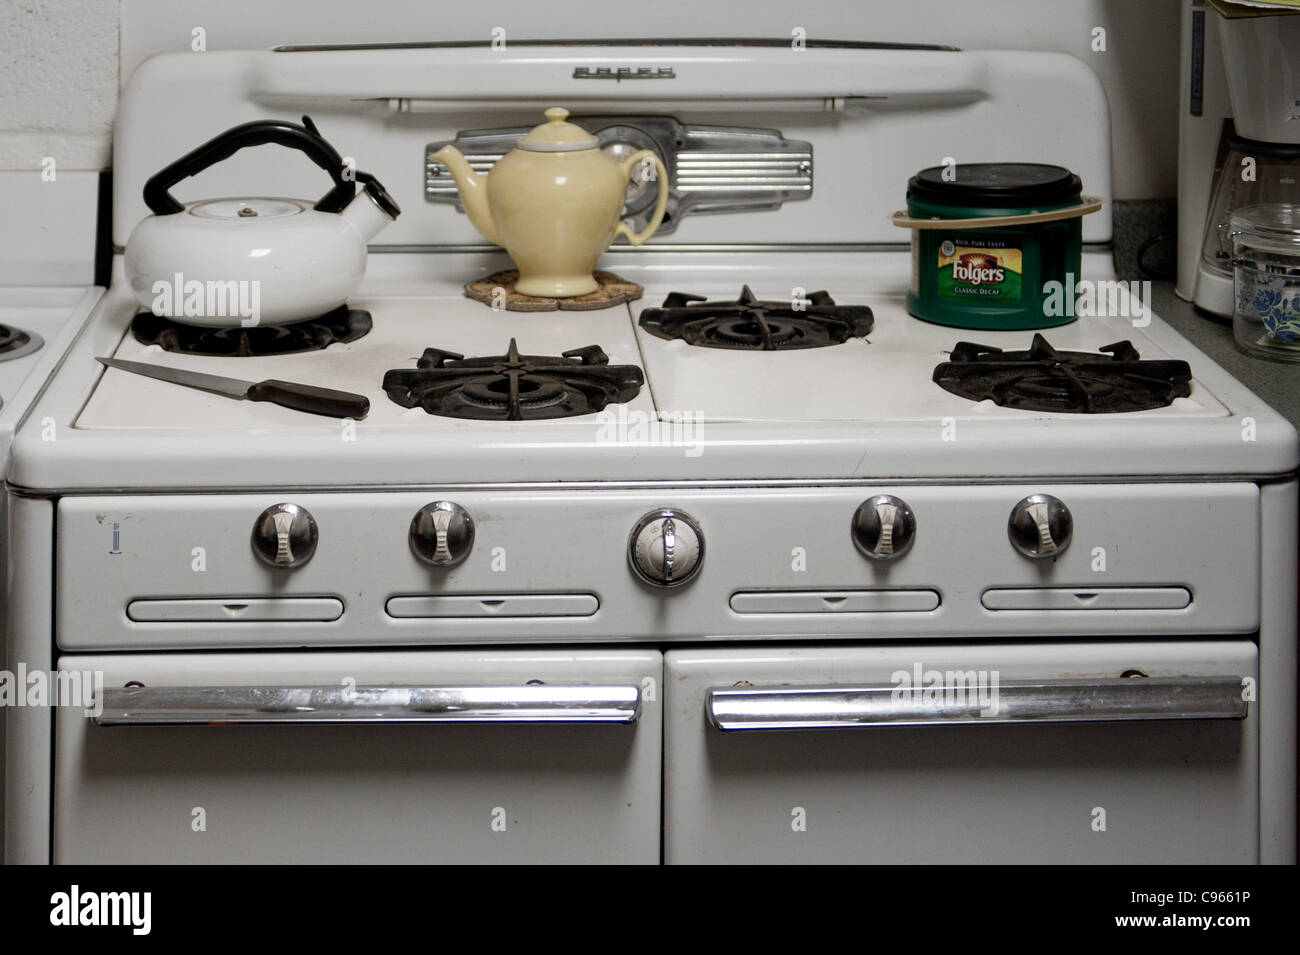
point(304, 138)
point(629, 164)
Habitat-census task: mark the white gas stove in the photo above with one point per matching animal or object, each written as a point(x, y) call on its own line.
point(45, 296)
point(676, 620)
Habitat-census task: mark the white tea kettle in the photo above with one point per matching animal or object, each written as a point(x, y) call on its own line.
point(255, 260)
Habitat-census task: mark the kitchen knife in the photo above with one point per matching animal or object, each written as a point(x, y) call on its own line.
point(288, 394)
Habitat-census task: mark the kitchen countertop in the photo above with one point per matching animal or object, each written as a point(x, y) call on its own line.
point(1278, 383)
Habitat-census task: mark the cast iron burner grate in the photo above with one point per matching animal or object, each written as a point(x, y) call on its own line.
point(14, 342)
point(1044, 379)
point(751, 324)
point(513, 387)
point(343, 324)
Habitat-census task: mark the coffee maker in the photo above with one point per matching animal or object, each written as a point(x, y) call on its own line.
point(1238, 133)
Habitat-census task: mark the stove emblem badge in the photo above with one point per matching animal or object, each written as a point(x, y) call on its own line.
point(620, 73)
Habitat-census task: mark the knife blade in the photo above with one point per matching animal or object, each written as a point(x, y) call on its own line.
point(287, 394)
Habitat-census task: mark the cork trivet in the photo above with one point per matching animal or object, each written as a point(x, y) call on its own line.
point(613, 291)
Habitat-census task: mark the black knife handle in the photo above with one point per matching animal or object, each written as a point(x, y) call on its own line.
point(309, 398)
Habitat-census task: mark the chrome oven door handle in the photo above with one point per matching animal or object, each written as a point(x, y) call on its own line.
point(1106, 700)
point(218, 705)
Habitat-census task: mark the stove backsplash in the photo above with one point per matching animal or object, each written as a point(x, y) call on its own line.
point(855, 109)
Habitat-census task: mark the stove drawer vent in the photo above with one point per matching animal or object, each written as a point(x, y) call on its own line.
point(1106, 598)
point(235, 610)
point(493, 605)
point(835, 601)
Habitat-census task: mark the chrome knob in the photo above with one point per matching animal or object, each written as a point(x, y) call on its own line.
point(284, 536)
point(666, 548)
point(1040, 526)
point(442, 534)
point(883, 528)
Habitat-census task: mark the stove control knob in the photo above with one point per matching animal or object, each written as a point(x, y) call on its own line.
point(442, 534)
point(284, 536)
point(666, 548)
point(883, 528)
point(1040, 526)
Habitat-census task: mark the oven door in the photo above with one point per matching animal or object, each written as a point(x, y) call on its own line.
point(1063, 753)
point(530, 756)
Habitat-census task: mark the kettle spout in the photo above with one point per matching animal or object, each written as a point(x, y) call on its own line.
point(371, 209)
point(473, 191)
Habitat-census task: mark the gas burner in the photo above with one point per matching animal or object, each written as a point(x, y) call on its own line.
point(343, 324)
point(513, 387)
point(14, 342)
point(749, 324)
point(1043, 379)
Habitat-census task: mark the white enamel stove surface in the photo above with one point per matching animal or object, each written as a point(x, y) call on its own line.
point(403, 328)
point(541, 552)
point(510, 792)
point(1175, 791)
point(883, 377)
point(53, 313)
point(777, 562)
point(886, 376)
point(864, 409)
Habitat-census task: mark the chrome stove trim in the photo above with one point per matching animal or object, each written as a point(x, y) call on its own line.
point(713, 169)
point(217, 705)
point(749, 484)
point(1109, 700)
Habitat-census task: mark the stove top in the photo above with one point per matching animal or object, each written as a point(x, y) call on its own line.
point(513, 387)
point(343, 324)
point(750, 324)
point(403, 324)
point(886, 375)
point(1114, 380)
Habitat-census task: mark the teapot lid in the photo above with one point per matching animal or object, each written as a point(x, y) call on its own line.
point(555, 135)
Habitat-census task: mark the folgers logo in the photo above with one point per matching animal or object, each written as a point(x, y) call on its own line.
point(978, 271)
point(977, 268)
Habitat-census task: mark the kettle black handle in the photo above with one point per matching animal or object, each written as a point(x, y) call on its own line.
point(304, 138)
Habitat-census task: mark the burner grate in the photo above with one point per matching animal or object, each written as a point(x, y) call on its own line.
point(513, 387)
point(343, 324)
point(1113, 381)
point(752, 324)
point(14, 342)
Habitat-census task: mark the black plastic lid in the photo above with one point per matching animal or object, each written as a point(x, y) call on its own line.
point(1287, 152)
point(997, 184)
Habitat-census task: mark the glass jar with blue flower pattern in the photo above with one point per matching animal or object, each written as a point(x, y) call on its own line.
point(1266, 279)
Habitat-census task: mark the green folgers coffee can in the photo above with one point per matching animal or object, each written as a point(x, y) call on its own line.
point(971, 275)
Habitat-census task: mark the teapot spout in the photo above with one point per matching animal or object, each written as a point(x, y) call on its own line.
point(473, 191)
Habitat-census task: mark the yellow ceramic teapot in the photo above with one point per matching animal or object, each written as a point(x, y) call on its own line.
point(554, 203)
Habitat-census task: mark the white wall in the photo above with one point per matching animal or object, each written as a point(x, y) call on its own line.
point(59, 60)
point(58, 82)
